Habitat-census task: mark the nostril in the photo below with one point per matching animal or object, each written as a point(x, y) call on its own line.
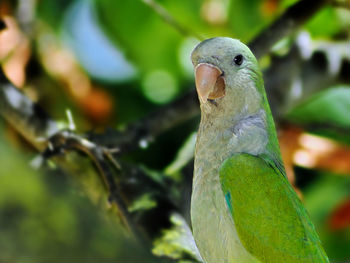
point(2, 24)
point(212, 102)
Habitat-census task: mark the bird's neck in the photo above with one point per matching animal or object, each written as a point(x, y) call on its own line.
point(218, 139)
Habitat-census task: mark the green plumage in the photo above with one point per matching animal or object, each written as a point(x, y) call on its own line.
point(270, 220)
point(243, 208)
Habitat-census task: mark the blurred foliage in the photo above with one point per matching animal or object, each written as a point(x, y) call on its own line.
point(321, 200)
point(329, 108)
point(329, 20)
point(322, 109)
point(174, 241)
point(113, 61)
point(43, 220)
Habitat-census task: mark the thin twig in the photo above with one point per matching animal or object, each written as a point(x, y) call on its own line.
point(66, 140)
point(291, 20)
point(169, 19)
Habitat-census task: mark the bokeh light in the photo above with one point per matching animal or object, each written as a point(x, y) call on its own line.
point(159, 86)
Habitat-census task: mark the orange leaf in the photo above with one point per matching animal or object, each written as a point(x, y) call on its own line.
point(340, 217)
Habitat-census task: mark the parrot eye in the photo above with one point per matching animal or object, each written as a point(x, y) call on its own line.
point(238, 60)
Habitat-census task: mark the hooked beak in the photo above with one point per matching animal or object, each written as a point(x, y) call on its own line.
point(210, 83)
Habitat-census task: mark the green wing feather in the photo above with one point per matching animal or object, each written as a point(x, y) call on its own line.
point(271, 222)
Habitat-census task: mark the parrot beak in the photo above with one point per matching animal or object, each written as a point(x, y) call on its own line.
point(209, 82)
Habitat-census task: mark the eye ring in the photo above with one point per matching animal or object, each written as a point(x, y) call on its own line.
point(238, 60)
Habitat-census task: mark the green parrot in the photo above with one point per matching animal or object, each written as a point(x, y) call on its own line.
point(243, 208)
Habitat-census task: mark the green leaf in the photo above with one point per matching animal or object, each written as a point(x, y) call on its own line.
point(183, 157)
point(327, 113)
point(325, 23)
point(332, 106)
point(177, 241)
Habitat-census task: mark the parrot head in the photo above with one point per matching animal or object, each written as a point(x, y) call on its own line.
point(225, 67)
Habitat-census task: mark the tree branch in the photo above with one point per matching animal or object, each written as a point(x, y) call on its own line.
point(289, 22)
point(149, 127)
point(30, 120)
point(66, 140)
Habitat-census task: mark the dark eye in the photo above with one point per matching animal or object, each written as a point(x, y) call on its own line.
point(238, 60)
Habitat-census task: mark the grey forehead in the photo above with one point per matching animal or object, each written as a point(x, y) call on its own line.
point(221, 41)
point(218, 44)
